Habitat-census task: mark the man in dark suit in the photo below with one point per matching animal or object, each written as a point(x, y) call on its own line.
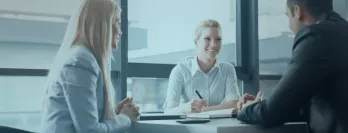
point(316, 83)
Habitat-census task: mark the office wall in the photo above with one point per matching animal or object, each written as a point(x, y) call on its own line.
point(19, 93)
point(33, 32)
point(26, 55)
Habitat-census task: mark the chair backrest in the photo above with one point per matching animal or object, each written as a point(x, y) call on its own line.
point(4, 129)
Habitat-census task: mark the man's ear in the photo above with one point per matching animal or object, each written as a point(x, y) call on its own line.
point(298, 12)
point(195, 42)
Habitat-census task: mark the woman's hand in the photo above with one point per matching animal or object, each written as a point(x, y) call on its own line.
point(131, 110)
point(120, 105)
point(197, 105)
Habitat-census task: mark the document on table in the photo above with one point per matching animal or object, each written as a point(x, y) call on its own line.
point(224, 113)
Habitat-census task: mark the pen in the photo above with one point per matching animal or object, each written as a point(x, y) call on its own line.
point(199, 95)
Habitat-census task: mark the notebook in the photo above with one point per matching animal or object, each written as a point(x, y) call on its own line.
point(224, 113)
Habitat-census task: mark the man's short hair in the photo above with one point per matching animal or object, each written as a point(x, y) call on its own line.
point(315, 7)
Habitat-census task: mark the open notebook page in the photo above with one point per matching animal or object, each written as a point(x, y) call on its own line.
point(224, 113)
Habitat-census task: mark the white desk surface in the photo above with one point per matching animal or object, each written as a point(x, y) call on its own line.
point(226, 125)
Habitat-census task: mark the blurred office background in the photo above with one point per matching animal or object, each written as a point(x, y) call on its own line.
point(160, 34)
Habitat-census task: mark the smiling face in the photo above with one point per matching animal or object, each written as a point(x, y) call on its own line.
point(208, 44)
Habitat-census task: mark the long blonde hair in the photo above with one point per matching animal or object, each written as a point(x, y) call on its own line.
point(94, 31)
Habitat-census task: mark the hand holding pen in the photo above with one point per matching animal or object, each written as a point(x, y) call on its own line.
point(197, 105)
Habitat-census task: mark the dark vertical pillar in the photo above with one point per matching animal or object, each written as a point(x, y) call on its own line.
point(121, 56)
point(248, 43)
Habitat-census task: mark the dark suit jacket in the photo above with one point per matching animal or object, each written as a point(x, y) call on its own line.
point(316, 82)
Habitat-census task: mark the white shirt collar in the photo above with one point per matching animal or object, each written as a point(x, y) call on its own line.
point(195, 67)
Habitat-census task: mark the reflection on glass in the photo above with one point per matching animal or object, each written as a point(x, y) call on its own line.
point(150, 93)
point(275, 38)
point(21, 101)
point(267, 86)
point(165, 33)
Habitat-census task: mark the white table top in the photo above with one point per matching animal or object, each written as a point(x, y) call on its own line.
point(226, 125)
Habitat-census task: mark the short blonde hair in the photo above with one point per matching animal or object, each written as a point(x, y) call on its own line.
point(204, 24)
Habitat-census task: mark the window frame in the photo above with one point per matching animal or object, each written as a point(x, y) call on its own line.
point(247, 63)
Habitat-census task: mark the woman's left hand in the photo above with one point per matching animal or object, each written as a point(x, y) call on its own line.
point(130, 110)
point(120, 105)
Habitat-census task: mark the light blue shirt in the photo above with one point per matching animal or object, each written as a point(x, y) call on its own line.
point(74, 101)
point(218, 86)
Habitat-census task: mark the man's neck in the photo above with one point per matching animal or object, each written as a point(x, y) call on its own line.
point(310, 21)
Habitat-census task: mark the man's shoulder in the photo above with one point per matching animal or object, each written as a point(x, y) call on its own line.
point(325, 31)
point(313, 30)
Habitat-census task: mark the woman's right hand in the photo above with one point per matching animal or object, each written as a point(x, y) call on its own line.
point(130, 110)
point(197, 105)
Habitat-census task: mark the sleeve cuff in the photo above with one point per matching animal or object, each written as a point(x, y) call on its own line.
point(123, 119)
point(180, 108)
point(122, 124)
point(171, 104)
point(185, 107)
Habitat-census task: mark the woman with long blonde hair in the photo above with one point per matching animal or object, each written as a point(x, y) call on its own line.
point(79, 96)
